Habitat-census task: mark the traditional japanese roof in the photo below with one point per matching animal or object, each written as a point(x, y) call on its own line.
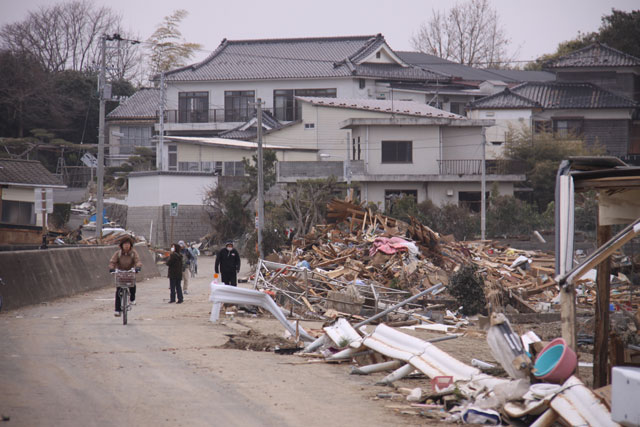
point(299, 58)
point(553, 95)
point(28, 173)
point(594, 55)
point(407, 108)
point(464, 72)
point(249, 129)
point(143, 104)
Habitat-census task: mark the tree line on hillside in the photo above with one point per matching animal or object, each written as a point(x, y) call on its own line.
point(49, 67)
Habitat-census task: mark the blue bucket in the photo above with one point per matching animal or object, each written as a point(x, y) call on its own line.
point(548, 360)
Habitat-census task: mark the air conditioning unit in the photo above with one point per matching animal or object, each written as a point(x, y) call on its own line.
point(450, 192)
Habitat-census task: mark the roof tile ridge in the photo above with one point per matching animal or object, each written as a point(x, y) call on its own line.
point(301, 39)
point(378, 38)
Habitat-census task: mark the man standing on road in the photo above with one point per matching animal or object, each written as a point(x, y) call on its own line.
point(228, 263)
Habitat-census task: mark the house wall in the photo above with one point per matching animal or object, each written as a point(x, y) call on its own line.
point(326, 136)
point(345, 88)
point(21, 194)
point(437, 191)
point(154, 223)
point(505, 119)
point(203, 153)
point(158, 190)
point(461, 143)
point(114, 157)
point(374, 191)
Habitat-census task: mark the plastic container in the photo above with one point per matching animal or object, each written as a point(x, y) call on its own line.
point(556, 362)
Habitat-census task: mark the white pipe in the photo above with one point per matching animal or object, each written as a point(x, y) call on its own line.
point(376, 367)
point(397, 374)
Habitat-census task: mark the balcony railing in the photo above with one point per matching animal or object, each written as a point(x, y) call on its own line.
point(214, 115)
point(474, 167)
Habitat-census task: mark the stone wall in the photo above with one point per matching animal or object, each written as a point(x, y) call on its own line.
point(154, 223)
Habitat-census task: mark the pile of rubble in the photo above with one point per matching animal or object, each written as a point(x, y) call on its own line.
point(387, 259)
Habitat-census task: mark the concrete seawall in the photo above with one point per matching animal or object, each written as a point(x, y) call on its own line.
point(31, 277)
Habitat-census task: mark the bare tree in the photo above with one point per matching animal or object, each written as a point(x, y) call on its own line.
point(168, 49)
point(66, 36)
point(469, 33)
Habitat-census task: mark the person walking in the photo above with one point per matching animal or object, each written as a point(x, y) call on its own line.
point(228, 264)
point(186, 262)
point(175, 274)
point(195, 253)
point(125, 258)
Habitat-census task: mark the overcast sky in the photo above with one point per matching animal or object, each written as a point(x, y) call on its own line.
point(534, 27)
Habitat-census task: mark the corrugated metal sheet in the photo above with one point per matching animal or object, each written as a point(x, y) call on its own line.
point(410, 108)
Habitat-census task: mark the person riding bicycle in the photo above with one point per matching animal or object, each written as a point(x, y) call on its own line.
point(125, 258)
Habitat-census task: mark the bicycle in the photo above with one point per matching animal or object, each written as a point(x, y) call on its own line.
point(125, 279)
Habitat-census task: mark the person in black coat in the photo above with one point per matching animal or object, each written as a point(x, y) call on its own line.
point(228, 264)
point(175, 273)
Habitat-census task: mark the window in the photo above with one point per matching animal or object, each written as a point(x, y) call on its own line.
point(471, 199)
point(238, 105)
point(173, 157)
point(362, 83)
point(193, 107)
point(234, 168)
point(397, 152)
point(309, 125)
point(283, 105)
point(378, 54)
point(189, 166)
point(287, 109)
point(457, 108)
point(542, 126)
point(14, 212)
point(391, 196)
point(134, 136)
point(564, 128)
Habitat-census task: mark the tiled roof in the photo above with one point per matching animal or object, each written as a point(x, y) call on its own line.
point(554, 95)
point(407, 108)
point(292, 58)
point(464, 72)
point(27, 172)
point(249, 129)
point(141, 105)
point(594, 55)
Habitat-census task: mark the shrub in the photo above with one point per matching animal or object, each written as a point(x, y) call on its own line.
point(467, 287)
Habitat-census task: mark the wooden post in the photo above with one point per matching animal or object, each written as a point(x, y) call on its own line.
point(44, 214)
point(600, 349)
point(568, 315)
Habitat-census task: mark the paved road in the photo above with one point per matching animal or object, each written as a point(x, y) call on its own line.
point(70, 362)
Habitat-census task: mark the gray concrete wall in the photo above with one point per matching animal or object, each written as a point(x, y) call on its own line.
point(191, 224)
point(31, 277)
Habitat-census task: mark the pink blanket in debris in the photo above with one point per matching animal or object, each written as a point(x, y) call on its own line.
point(388, 245)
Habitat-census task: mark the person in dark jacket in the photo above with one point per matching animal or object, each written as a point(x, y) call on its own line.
point(228, 264)
point(175, 273)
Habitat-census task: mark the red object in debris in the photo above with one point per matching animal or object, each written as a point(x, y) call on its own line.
point(558, 364)
point(490, 251)
point(441, 382)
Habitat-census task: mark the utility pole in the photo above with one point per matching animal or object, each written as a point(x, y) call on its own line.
point(347, 164)
point(160, 151)
point(483, 187)
point(260, 179)
point(101, 85)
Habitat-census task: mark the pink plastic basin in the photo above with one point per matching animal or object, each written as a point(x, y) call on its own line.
point(556, 362)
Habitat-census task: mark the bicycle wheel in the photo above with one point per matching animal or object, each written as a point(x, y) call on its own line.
point(125, 309)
